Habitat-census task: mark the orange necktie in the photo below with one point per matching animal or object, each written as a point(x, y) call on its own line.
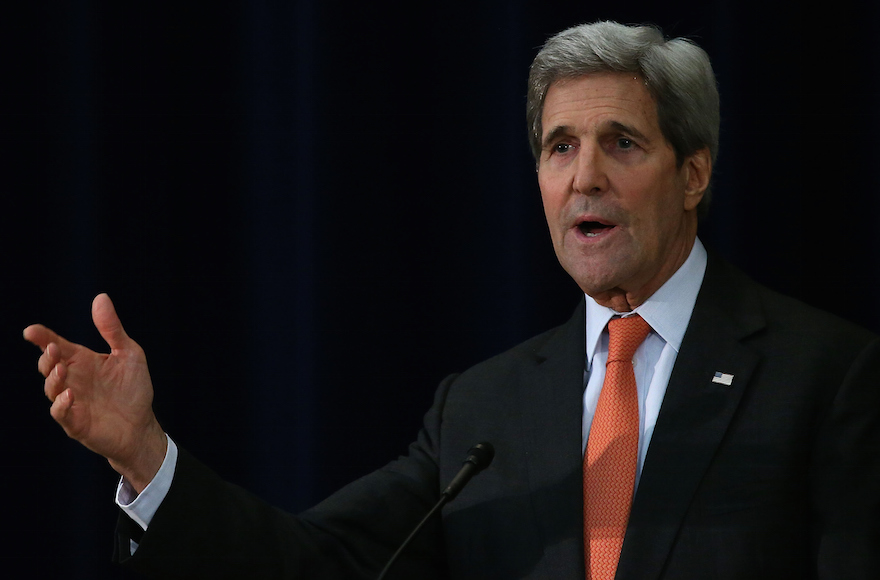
point(612, 451)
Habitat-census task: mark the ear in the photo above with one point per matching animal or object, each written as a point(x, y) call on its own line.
point(698, 172)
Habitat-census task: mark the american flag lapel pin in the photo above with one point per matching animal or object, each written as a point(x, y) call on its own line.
point(722, 379)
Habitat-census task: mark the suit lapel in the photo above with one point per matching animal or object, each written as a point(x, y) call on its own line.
point(695, 414)
point(551, 395)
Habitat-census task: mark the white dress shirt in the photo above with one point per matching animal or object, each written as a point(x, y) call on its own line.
point(668, 312)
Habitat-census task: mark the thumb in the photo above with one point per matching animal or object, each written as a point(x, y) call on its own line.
point(107, 322)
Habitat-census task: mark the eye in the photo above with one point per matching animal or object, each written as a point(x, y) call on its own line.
point(562, 148)
point(625, 144)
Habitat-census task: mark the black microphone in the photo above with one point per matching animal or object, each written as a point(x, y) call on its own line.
point(479, 457)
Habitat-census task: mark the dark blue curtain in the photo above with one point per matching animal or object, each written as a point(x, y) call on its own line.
point(309, 213)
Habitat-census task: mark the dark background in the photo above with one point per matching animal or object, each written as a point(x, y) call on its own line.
point(308, 213)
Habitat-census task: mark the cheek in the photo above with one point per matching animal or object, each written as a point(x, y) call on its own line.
point(552, 216)
point(551, 200)
point(659, 221)
point(653, 198)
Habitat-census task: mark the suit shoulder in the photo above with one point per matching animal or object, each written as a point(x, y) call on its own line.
point(783, 312)
point(562, 340)
point(793, 313)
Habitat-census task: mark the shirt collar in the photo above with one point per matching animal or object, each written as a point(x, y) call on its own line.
point(668, 310)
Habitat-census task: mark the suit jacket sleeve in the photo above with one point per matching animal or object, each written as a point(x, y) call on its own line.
point(209, 528)
point(846, 475)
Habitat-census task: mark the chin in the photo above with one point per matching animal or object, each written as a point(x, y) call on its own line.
point(594, 285)
point(602, 270)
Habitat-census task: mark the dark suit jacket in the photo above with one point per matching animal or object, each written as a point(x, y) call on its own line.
point(775, 476)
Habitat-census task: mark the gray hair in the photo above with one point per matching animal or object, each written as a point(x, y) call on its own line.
point(677, 73)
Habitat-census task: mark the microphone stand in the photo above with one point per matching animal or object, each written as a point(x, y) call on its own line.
point(479, 457)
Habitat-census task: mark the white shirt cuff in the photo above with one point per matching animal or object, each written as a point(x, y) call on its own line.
point(142, 507)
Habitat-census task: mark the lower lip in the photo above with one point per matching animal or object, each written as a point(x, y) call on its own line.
point(593, 238)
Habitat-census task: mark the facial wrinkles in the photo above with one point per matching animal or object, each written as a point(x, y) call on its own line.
point(585, 113)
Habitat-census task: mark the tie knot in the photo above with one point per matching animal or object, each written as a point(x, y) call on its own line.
point(624, 337)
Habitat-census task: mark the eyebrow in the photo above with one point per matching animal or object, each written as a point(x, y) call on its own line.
point(609, 125)
point(621, 128)
point(554, 134)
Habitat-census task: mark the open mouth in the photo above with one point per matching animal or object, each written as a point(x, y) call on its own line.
point(593, 229)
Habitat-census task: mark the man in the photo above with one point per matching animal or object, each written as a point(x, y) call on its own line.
point(736, 438)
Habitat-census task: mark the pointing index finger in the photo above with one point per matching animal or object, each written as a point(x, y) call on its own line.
point(42, 336)
point(39, 335)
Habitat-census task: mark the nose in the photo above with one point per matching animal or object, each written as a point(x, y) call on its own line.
point(590, 176)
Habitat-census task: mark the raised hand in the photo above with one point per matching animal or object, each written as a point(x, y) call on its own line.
point(104, 401)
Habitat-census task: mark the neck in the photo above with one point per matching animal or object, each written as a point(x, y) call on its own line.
point(624, 300)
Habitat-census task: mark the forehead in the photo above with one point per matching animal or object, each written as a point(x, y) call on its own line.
point(596, 100)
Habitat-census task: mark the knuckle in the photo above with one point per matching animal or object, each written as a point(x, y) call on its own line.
point(51, 390)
